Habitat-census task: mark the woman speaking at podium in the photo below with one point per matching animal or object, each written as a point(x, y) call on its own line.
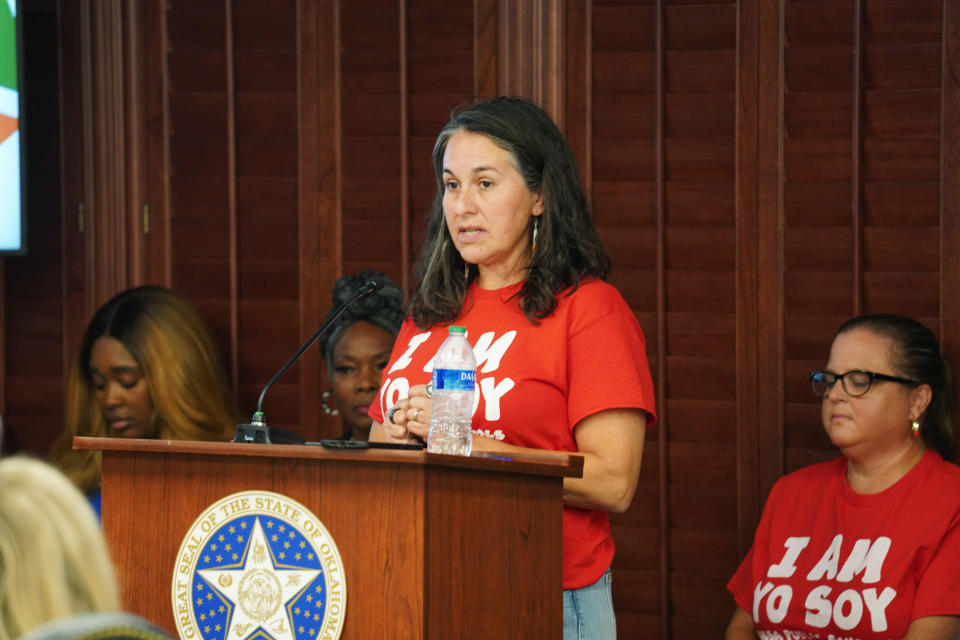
point(512, 254)
point(147, 368)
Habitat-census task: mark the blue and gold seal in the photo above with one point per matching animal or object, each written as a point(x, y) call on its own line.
point(258, 565)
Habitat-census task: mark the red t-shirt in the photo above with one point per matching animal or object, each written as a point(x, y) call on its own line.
point(537, 382)
point(830, 563)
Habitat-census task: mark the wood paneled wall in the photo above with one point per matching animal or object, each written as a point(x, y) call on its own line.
point(760, 171)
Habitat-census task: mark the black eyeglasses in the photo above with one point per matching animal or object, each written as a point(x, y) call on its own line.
point(856, 383)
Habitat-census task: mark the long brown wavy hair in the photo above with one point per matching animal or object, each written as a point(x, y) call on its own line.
point(568, 246)
point(180, 364)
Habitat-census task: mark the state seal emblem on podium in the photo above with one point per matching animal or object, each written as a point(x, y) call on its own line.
point(258, 564)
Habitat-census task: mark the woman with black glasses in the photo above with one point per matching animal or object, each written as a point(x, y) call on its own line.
point(866, 546)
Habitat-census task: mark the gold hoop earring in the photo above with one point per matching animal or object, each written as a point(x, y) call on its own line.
point(915, 427)
point(326, 408)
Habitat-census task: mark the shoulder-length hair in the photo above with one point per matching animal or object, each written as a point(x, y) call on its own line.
point(53, 559)
point(568, 248)
point(180, 364)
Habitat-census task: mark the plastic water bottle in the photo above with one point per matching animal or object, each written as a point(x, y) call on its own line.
point(454, 380)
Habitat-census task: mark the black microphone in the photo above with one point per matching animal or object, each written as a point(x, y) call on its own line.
point(258, 431)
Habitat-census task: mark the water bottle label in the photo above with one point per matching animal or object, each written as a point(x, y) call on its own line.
point(456, 379)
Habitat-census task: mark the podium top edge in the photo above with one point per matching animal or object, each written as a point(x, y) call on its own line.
point(547, 463)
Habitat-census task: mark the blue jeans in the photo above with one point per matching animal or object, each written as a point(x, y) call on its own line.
point(588, 611)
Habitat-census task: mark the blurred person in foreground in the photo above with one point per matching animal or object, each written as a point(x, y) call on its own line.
point(54, 563)
point(512, 254)
point(147, 368)
point(356, 348)
point(865, 546)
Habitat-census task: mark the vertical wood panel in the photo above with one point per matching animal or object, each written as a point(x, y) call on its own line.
point(950, 189)
point(579, 88)
point(197, 139)
point(75, 267)
point(262, 134)
point(87, 201)
point(660, 372)
point(231, 173)
point(902, 153)
point(109, 210)
point(485, 48)
point(747, 265)
point(709, 281)
point(856, 146)
point(449, 27)
point(820, 179)
point(155, 79)
point(405, 159)
point(515, 51)
point(615, 124)
point(371, 144)
point(328, 144)
point(313, 42)
point(769, 456)
point(134, 134)
point(531, 48)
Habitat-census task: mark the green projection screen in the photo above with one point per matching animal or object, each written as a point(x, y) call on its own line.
point(12, 229)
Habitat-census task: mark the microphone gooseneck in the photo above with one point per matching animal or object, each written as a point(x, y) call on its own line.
point(257, 430)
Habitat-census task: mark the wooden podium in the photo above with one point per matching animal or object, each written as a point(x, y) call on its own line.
point(432, 546)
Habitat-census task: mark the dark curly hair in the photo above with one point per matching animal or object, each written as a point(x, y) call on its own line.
point(383, 308)
point(568, 246)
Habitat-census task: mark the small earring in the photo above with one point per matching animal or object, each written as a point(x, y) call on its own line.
point(533, 243)
point(466, 271)
point(915, 427)
point(326, 408)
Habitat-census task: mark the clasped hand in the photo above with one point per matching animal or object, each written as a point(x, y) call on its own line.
point(409, 419)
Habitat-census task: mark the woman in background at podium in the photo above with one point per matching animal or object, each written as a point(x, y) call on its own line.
point(512, 254)
point(356, 348)
point(147, 368)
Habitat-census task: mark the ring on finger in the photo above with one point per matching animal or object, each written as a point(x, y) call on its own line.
point(392, 412)
point(416, 415)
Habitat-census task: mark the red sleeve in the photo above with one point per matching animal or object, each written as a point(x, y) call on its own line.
point(607, 367)
point(938, 592)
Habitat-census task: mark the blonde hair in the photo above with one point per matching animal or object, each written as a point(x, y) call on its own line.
point(180, 364)
point(53, 558)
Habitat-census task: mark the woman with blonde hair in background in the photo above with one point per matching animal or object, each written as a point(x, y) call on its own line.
point(147, 368)
point(53, 560)
point(54, 564)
